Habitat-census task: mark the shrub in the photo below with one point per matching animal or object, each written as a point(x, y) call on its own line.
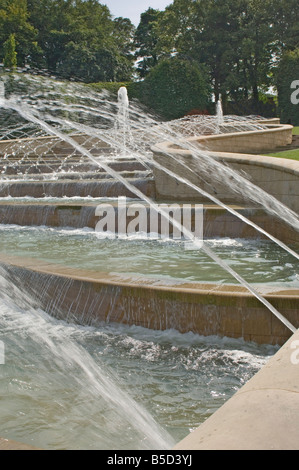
point(173, 88)
point(10, 55)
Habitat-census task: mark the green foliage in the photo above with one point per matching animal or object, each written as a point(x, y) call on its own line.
point(10, 55)
point(14, 20)
point(80, 40)
point(173, 88)
point(90, 64)
point(112, 87)
point(236, 39)
point(285, 21)
point(288, 72)
point(146, 40)
point(237, 42)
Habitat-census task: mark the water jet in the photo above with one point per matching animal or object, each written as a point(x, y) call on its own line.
point(52, 179)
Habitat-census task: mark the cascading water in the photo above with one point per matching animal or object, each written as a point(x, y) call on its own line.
point(92, 386)
point(123, 112)
point(49, 116)
point(70, 387)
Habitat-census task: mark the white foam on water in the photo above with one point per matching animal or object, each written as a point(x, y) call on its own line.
point(41, 345)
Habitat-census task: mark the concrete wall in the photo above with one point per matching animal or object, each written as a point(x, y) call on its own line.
point(262, 415)
point(276, 176)
point(275, 135)
point(206, 309)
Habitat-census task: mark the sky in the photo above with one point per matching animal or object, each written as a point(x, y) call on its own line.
point(133, 8)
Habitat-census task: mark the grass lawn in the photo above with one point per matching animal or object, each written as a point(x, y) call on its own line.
point(291, 154)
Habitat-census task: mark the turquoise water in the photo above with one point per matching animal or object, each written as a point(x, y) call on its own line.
point(64, 386)
point(112, 387)
point(259, 262)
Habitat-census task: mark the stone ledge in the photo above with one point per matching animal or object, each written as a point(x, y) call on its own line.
point(217, 221)
point(259, 170)
point(205, 309)
point(274, 136)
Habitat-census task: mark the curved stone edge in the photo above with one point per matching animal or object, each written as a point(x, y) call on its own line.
point(275, 163)
point(262, 415)
point(278, 177)
point(269, 138)
point(251, 419)
point(91, 298)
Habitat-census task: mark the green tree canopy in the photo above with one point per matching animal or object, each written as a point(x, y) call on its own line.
point(239, 43)
point(285, 21)
point(14, 19)
point(146, 39)
point(174, 87)
point(80, 39)
point(200, 31)
point(238, 40)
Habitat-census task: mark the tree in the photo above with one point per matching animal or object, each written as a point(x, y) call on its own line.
point(146, 40)
point(14, 20)
point(202, 31)
point(80, 39)
point(92, 63)
point(257, 47)
point(123, 38)
point(285, 20)
point(238, 40)
point(10, 55)
point(174, 87)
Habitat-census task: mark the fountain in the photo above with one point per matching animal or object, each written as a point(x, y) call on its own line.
point(61, 159)
point(219, 112)
point(122, 122)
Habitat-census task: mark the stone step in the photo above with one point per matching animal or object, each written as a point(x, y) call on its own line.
point(73, 175)
point(18, 154)
point(76, 188)
point(217, 222)
point(52, 166)
point(45, 144)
